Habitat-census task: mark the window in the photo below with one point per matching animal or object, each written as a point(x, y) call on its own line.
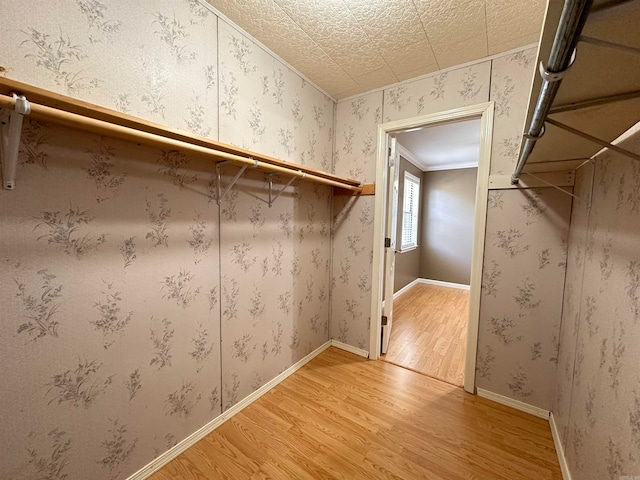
point(410, 205)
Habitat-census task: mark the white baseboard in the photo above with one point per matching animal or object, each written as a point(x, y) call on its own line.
point(562, 460)
point(405, 288)
point(350, 348)
point(510, 402)
point(199, 434)
point(461, 286)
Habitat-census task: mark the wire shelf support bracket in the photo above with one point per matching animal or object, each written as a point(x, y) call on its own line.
point(273, 198)
point(222, 194)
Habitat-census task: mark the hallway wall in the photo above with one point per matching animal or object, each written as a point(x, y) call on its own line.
point(597, 403)
point(134, 308)
point(447, 224)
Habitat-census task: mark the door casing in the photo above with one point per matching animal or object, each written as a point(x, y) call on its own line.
point(484, 111)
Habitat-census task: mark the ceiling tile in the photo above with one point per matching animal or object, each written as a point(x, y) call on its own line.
point(348, 93)
point(350, 46)
point(459, 53)
point(512, 24)
point(332, 26)
point(388, 24)
point(448, 22)
point(243, 13)
point(512, 43)
point(411, 57)
point(378, 78)
point(358, 59)
point(416, 73)
point(288, 40)
point(333, 81)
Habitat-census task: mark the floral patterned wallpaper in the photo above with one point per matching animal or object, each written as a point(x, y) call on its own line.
point(352, 256)
point(111, 320)
point(518, 332)
point(275, 281)
point(135, 309)
point(597, 404)
point(511, 78)
point(156, 60)
point(521, 303)
point(266, 107)
point(438, 92)
point(525, 257)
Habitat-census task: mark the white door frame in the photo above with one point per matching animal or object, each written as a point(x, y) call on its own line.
point(484, 111)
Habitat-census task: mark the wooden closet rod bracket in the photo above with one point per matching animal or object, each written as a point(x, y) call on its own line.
point(11, 131)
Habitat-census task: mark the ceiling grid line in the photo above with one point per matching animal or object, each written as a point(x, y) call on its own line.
point(486, 26)
point(283, 11)
point(426, 34)
point(370, 40)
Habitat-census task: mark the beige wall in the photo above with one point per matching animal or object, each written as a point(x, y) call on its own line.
point(408, 263)
point(446, 227)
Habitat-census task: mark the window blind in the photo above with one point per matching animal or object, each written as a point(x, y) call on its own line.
point(410, 205)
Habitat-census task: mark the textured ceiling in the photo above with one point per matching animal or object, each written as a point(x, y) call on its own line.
point(351, 46)
point(442, 147)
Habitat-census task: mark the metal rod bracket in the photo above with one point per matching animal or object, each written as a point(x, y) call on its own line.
point(230, 186)
point(273, 198)
point(553, 77)
point(534, 137)
point(10, 131)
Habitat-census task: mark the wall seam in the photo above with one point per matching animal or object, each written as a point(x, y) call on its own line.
point(564, 290)
point(218, 71)
point(332, 232)
point(219, 210)
point(584, 266)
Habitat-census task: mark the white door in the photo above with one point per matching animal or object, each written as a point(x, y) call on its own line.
point(390, 242)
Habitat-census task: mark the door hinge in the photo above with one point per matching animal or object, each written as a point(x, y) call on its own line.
point(387, 242)
point(384, 320)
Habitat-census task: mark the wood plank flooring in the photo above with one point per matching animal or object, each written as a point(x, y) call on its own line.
point(345, 417)
point(429, 333)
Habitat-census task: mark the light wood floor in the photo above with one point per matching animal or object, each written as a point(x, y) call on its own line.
point(429, 333)
point(344, 417)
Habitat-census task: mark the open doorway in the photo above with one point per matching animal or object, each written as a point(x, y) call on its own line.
point(438, 170)
point(398, 230)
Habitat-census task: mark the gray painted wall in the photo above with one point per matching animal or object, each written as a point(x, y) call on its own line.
point(446, 225)
point(408, 263)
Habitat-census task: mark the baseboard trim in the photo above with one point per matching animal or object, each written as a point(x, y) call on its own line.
point(406, 288)
point(439, 283)
point(350, 348)
point(562, 460)
point(199, 434)
point(510, 402)
point(428, 281)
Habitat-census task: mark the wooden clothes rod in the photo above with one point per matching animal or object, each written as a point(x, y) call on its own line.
point(55, 108)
